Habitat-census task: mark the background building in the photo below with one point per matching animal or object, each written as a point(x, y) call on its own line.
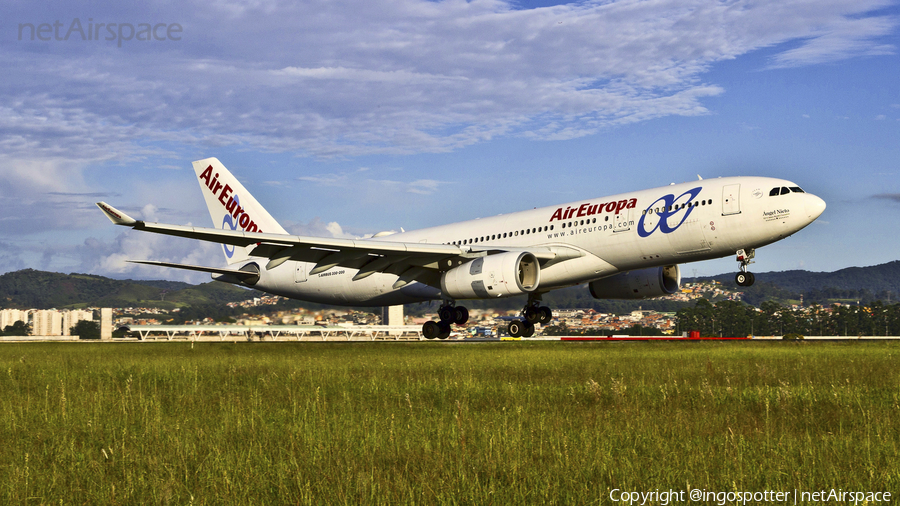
point(71, 318)
point(10, 316)
point(46, 322)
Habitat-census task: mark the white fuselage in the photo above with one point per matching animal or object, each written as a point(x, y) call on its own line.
point(674, 224)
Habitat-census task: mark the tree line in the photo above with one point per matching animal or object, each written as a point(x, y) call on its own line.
point(737, 319)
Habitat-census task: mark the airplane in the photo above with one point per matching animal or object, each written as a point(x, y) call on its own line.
point(626, 246)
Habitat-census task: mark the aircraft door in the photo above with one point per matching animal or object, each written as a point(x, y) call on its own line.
point(624, 220)
point(731, 199)
point(299, 272)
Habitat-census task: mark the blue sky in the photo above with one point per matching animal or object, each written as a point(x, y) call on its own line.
point(348, 117)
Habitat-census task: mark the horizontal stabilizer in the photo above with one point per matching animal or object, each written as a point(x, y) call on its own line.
point(246, 276)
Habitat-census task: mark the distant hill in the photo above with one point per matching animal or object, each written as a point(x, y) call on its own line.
point(864, 284)
point(30, 288)
point(877, 278)
point(161, 283)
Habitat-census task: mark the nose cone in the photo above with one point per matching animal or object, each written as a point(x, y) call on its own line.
point(814, 207)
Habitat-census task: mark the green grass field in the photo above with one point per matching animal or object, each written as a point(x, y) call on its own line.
point(440, 423)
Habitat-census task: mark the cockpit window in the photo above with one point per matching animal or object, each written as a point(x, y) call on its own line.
point(785, 190)
point(774, 192)
point(797, 189)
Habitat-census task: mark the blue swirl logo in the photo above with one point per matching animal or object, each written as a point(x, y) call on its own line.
point(671, 206)
point(228, 221)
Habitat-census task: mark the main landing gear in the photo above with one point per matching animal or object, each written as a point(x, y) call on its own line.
point(745, 278)
point(533, 313)
point(448, 314)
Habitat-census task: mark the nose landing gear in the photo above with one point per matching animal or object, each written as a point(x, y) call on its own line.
point(745, 278)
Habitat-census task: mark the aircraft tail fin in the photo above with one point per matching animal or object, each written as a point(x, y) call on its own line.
point(231, 206)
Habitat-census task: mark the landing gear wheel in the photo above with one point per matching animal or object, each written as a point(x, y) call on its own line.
point(447, 314)
point(516, 328)
point(745, 258)
point(528, 331)
point(461, 315)
point(532, 315)
point(431, 330)
point(445, 331)
point(546, 315)
point(744, 278)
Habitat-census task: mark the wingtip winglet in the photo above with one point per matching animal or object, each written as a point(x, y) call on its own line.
point(116, 216)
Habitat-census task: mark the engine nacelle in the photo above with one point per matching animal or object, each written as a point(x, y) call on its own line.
point(501, 275)
point(639, 284)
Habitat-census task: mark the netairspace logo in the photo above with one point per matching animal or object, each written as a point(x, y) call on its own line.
point(120, 32)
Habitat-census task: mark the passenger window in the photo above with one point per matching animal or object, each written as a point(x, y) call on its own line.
point(709, 201)
point(551, 227)
point(774, 192)
point(785, 190)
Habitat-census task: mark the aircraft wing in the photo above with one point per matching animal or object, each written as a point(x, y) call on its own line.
point(411, 261)
point(232, 275)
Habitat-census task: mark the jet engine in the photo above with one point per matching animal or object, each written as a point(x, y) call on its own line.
point(501, 275)
point(638, 284)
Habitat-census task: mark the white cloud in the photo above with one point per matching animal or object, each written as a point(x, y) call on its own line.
point(111, 259)
point(351, 77)
point(403, 76)
point(841, 38)
point(317, 228)
point(423, 186)
point(379, 186)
